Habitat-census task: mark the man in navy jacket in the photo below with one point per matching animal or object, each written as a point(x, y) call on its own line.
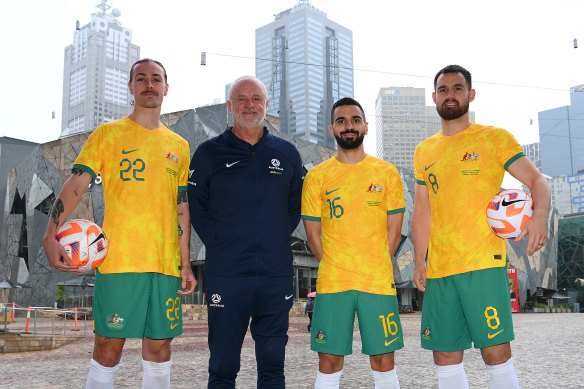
point(244, 195)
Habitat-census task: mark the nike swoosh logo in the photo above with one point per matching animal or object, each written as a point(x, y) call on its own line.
point(288, 297)
point(100, 236)
point(506, 203)
point(429, 166)
point(231, 164)
point(491, 336)
point(390, 342)
point(328, 193)
point(129, 151)
point(172, 326)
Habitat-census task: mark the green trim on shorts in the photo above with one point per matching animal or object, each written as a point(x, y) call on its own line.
point(467, 308)
point(334, 317)
point(137, 305)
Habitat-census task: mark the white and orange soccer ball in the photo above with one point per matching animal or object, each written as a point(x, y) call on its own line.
point(85, 243)
point(508, 212)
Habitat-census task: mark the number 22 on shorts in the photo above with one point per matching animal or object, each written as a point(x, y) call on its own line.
point(172, 312)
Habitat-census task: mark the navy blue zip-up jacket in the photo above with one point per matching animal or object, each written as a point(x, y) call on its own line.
point(245, 203)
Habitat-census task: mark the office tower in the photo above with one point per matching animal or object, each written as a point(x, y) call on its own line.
point(433, 121)
point(567, 193)
point(400, 114)
point(532, 152)
point(306, 62)
point(403, 121)
point(561, 137)
point(96, 72)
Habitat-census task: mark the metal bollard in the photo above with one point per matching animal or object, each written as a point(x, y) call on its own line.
point(75, 321)
point(27, 320)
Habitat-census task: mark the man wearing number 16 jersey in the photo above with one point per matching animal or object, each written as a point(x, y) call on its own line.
point(144, 172)
point(352, 208)
point(466, 299)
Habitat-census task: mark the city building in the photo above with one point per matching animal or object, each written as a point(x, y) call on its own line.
point(12, 152)
point(567, 193)
point(532, 152)
point(96, 72)
point(400, 115)
point(561, 136)
point(403, 121)
point(306, 62)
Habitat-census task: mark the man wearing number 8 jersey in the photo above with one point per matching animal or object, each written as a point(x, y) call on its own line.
point(144, 171)
point(466, 299)
point(352, 208)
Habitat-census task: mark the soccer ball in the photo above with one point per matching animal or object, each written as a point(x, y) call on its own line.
point(85, 243)
point(508, 212)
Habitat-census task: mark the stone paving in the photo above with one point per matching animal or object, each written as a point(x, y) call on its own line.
point(548, 353)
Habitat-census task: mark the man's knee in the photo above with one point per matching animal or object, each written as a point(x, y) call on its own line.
point(270, 352)
point(496, 355)
point(382, 362)
point(156, 350)
point(225, 365)
point(108, 351)
point(329, 364)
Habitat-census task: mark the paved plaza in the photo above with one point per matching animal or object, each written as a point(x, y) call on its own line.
point(548, 353)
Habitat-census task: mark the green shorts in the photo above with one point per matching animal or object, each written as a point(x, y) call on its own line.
point(137, 305)
point(467, 308)
point(334, 317)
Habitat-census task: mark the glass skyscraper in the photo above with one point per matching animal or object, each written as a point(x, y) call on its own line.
point(561, 137)
point(306, 62)
point(96, 72)
point(403, 120)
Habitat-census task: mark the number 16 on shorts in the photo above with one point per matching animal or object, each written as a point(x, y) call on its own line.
point(390, 328)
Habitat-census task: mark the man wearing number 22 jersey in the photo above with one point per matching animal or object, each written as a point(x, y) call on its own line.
point(144, 171)
point(352, 208)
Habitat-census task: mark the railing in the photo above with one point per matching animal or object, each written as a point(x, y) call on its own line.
point(44, 320)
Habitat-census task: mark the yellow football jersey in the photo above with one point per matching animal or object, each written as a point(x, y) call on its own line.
point(463, 172)
point(142, 172)
point(352, 203)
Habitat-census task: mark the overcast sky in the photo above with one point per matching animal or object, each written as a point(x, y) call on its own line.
point(520, 52)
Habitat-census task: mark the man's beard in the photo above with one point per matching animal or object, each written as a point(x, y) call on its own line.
point(453, 113)
point(351, 143)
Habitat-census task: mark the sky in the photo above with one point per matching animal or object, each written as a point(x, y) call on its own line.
point(520, 52)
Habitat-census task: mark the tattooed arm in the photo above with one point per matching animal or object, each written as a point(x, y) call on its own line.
point(188, 281)
point(65, 203)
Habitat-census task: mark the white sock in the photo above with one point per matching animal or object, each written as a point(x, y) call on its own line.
point(156, 375)
point(452, 377)
point(328, 381)
point(100, 377)
point(385, 379)
point(503, 376)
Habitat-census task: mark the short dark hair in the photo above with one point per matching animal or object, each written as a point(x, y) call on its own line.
point(454, 69)
point(346, 101)
point(147, 60)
